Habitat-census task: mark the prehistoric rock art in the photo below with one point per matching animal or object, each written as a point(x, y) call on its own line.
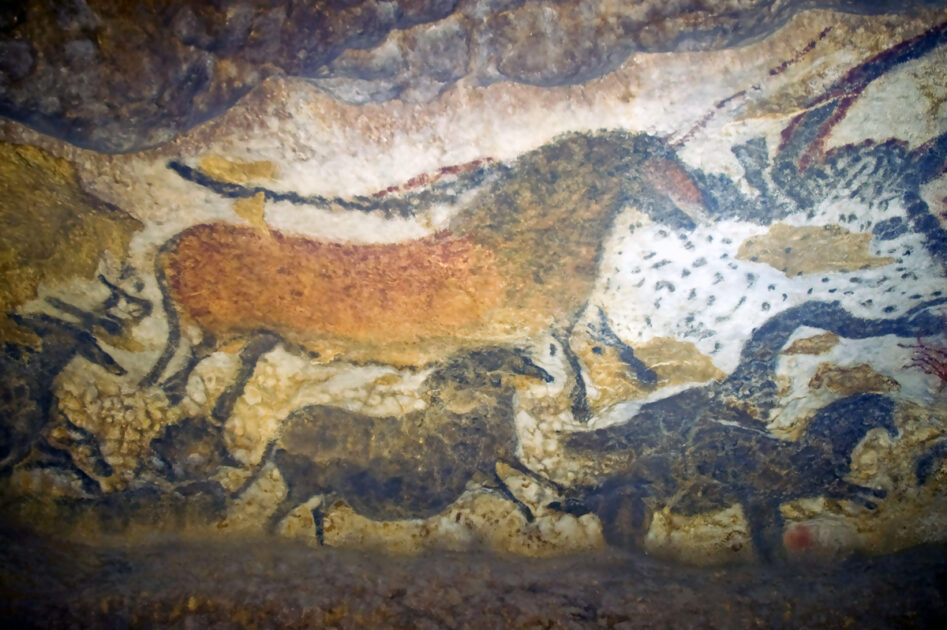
point(517, 260)
point(62, 235)
point(34, 432)
point(413, 466)
point(699, 450)
point(624, 313)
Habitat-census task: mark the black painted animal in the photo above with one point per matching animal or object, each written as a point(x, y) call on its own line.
point(413, 466)
point(734, 465)
point(33, 433)
point(929, 460)
point(723, 464)
point(675, 450)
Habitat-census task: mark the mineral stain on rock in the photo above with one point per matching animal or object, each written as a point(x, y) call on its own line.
point(816, 344)
point(851, 380)
point(808, 249)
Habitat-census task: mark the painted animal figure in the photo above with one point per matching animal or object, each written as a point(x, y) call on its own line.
point(412, 466)
point(719, 465)
point(518, 259)
point(700, 450)
point(33, 433)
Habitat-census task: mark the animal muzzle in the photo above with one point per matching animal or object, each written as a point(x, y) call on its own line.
point(530, 369)
point(575, 507)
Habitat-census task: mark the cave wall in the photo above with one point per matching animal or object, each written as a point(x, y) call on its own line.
point(535, 277)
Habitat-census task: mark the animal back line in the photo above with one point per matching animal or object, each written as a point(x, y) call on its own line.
point(407, 205)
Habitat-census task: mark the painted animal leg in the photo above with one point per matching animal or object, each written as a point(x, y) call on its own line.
point(175, 386)
point(766, 528)
point(171, 315)
point(621, 509)
point(301, 476)
point(578, 395)
point(282, 511)
point(319, 520)
point(625, 518)
point(249, 356)
point(642, 372)
point(499, 486)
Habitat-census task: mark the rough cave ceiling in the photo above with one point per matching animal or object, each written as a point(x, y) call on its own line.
point(125, 76)
point(535, 276)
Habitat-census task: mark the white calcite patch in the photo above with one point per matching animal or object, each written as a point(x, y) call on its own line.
point(692, 286)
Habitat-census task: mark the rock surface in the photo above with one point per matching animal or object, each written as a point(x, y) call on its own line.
point(117, 77)
point(538, 278)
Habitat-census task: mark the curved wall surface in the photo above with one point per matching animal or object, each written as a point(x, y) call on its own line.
point(538, 278)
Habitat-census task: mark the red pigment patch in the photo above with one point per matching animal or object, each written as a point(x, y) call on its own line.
point(232, 278)
point(798, 538)
point(669, 178)
point(429, 178)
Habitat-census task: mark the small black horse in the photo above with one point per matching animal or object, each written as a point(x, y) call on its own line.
point(723, 464)
point(413, 466)
point(702, 450)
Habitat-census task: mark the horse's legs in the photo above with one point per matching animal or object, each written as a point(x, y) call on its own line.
point(175, 386)
point(496, 484)
point(578, 395)
point(642, 372)
point(766, 528)
point(249, 356)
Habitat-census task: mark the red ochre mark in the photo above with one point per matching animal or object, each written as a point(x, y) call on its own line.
point(669, 178)
point(847, 90)
point(425, 179)
point(799, 538)
point(233, 279)
point(742, 93)
point(799, 55)
point(929, 358)
point(723, 103)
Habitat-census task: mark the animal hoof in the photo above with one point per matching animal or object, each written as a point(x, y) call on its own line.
point(923, 469)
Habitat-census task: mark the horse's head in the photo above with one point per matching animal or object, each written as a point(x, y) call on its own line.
point(844, 423)
point(479, 377)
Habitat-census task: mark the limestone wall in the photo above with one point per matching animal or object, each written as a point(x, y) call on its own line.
point(534, 277)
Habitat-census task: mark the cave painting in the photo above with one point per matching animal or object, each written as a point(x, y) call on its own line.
point(482, 308)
